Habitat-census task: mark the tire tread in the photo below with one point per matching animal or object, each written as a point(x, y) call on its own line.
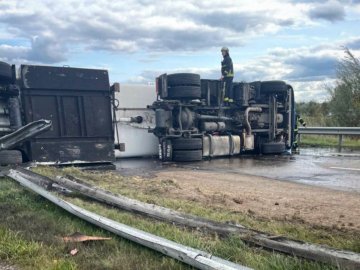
point(187, 144)
point(179, 79)
point(187, 155)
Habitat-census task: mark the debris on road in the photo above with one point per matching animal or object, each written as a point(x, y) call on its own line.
point(74, 251)
point(79, 237)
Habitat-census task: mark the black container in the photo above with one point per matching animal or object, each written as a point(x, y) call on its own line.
point(78, 102)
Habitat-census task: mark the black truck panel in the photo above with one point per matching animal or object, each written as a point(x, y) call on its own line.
point(78, 102)
point(63, 78)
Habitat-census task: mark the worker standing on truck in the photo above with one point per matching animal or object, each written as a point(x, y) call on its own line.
point(299, 121)
point(227, 74)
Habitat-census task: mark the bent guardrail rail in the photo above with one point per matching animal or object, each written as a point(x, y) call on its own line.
point(24, 133)
point(191, 256)
point(341, 258)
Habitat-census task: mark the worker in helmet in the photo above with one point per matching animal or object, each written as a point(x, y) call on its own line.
point(227, 74)
point(299, 121)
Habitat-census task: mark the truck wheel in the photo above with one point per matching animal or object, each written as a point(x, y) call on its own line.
point(5, 73)
point(187, 144)
point(187, 155)
point(8, 157)
point(184, 92)
point(273, 148)
point(273, 87)
point(183, 79)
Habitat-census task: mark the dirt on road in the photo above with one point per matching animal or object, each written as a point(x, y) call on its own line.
point(267, 198)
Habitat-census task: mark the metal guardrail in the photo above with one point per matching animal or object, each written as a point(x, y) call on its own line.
point(330, 130)
point(339, 131)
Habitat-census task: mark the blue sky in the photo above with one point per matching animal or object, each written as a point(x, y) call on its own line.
point(296, 41)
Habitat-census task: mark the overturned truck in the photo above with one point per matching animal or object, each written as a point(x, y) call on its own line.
point(193, 122)
point(189, 117)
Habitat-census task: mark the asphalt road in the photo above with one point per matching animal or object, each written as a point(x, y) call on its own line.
point(318, 167)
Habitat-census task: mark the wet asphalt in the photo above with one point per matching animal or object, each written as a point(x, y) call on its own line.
point(319, 167)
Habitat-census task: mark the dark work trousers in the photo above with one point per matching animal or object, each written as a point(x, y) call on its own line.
point(228, 87)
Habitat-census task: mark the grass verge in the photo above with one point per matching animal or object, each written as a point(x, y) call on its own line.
point(29, 226)
point(329, 141)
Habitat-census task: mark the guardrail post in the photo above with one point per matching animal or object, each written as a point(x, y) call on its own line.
point(340, 142)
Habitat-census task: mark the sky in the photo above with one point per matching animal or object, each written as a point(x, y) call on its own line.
point(300, 42)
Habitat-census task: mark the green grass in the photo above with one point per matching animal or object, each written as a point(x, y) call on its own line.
point(30, 226)
point(329, 141)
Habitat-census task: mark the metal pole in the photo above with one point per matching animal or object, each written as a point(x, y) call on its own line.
point(340, 142)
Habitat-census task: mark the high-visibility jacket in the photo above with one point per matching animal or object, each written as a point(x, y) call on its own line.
point(299, 121)
point(302, 122)
point(227, 69)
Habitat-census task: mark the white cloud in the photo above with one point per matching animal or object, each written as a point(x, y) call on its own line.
point(14, 54)
point(331, 11)
point(51, 31)
point(145, 25)
point(308, 69)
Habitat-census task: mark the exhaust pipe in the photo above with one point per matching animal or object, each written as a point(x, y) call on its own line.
point(247, 122)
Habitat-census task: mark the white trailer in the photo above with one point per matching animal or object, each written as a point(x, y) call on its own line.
point(132, 138)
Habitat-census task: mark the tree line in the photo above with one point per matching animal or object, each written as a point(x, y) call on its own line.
point(343, 105)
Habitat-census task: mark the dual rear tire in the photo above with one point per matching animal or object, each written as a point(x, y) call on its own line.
point(273, 148)
point(270, 87)
point(187, 149)
point(183, 86)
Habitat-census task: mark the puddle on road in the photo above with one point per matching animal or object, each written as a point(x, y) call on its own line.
point(328, 151)
point(312, 166)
